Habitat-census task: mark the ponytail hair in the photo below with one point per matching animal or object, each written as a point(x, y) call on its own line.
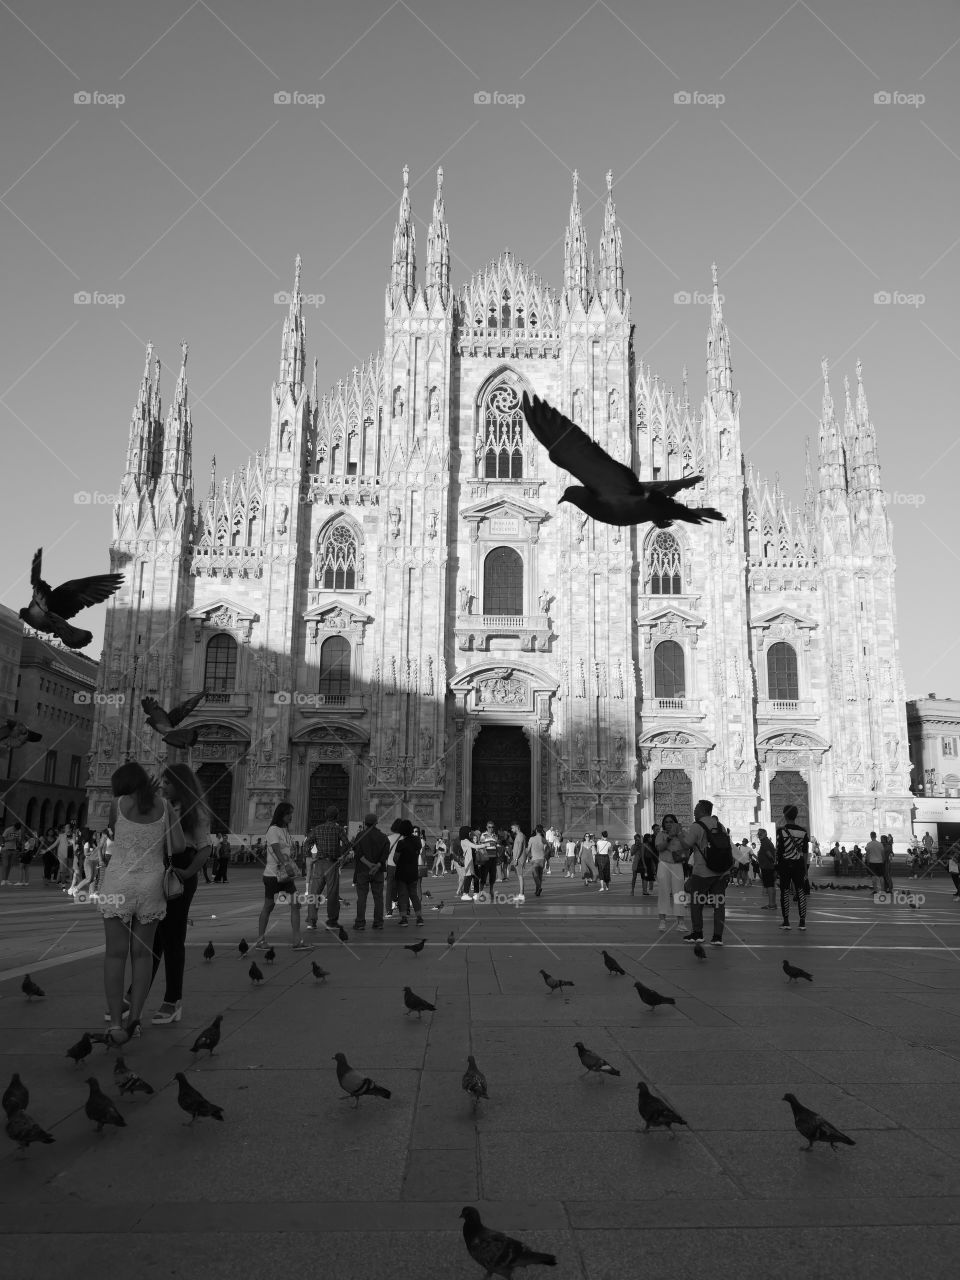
point(131, 779)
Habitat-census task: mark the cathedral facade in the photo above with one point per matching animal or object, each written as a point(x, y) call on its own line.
point(389, 610)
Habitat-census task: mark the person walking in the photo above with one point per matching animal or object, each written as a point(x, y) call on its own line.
point(408, 852)
point(636, 861)
point(390, 870)
point(371, 849)
point(713, 862)
point(131, 901)
point(741, 858)
point(537, 855)
point(648, 861)
point(182, 792)
point(767, 858)
point(324, 873)
point(569, 858)
point(602, 859)
point(28, 847)
point(673, 850)
point(793, 855)
point(588, 853)
point(221, 861)
point(277, 878)
point(11, 848)
point(953, 868)
point(488, 856)
point(470, 846)
point(887, 842)
point(874, 859)
point(518, 857)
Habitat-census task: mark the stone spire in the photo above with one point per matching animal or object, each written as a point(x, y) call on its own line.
point(145, 422)
point(610, 281)
point(438, 250)
point(178, 433)
point(403, 270)
point(831, 465)
point(719, 363)
point(866, 463)
point(293, 347)
point(576, 259)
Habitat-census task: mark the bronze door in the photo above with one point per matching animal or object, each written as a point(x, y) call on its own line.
point(673, 793)
point(500, 784)
point(787, 786)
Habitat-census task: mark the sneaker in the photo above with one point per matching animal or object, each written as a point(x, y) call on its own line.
point(693, 937)
point(464, 897)
point(716, 942)
point(803, 928)
point(784, 926)
point(378, 926)
point(310, 926)
point(662, 927)
point(419, 920)
point(260, 945)
point(404, 923)
point(301, 946)
point(360, 926)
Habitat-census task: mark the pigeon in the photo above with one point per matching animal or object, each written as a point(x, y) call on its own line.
point(499, 1255)
point(208, 952)
point(100, 1109)
point(23, 1129)
point(813, 1127)
point(193, 1102)
point(49, 609)
point(209, 1038)
point(612, 965)
point(243, 947)
point(101, 1037)
point(256, 973)
point(593, 1062)
point(270, 955)
point(416, 1004)
point(451, 938)
point(474, 1081)
point(698, 951)
point(15, 734)
point(343, 935)
point(82, 1049)
point(427, 893)
point(655, 1112)
point(439, 907)
point(165, 722)
point(321, 975)
point(16, 1096)
point(416, 947)
point(651, 997)
point(555, 984)
point(793, 972)
point(30, 988)
point(128, 1081)
point(611, 492)
point(354, 1084)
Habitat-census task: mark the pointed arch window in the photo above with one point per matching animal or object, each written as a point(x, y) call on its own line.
point(501, 452)
point(334, 667)
point(338, 558)
point(220, 668)
point(503, 582)
point(783, 684)
point(669, 677)
point(664, 567)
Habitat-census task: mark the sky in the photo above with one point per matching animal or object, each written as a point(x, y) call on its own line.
point(811, 150)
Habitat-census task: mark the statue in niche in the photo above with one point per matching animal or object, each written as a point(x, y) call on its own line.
point(399, 404)
point(465, 598)
point(428, 677)
point(543, 603)
point(280, 526)
point(618, 750)
point(581, 744)
point(268, 744)
point(577, 413)
point(614, 405)
point(108, 740)
point(395, 522)
point(285, 437)
point(426, 746)
point(434, 411)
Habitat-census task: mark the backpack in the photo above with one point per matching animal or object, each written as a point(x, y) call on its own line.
point(718, 854)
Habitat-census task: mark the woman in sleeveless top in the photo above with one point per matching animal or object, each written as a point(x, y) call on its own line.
point(131, 897)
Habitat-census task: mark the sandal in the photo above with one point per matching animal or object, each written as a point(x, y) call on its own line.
point(301, 946)
point(113, 1032)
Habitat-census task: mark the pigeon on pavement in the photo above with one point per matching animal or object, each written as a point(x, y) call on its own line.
point(416, 947)
point(320, 974)
point(100, 1109)
point(354, 1084)
point(499, 1255)
point(82, 1049)
point(128, 1081)
point(416, 1004)
point(451, 938)
point(193, 1102)
point(49, 609)
point(655, 1111)
point(555, 984)
point(16, 1096)
point(243, 947)
point(270, 955)
point(593, 1062)
point(474, 1081)
point(208, 952)
point(15, 734)
point(612, 965)
point(651, 997)
point(30, 988)
point(256, 973)
point(439, 907)
point(209, 1038)
point(793, 972)
point(698, 951)
point(813, 1127)
point(612, 493)
point(165, 722)
point(343, 935)
point(23, 1129)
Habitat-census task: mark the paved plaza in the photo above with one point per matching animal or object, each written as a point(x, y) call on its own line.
point(297, 1182)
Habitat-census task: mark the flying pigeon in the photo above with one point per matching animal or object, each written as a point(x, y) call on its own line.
point(100, 1109)
point(474, 1081)
point(499, 1255)
point(698, 951)
point(416, 1004)
point(651, 997)
point(320, 974)
point(30, 988)
point(555, 984)
point(82, 1049)
point(128, 1081)
point(593, 1062)
point(23, 1129)
point(270, 955)
point(354, 1084)
point(813, 1127)
point(451, 938)
point(416, 947)
point(193, 1102)
point(611, 492)
point(208, 952)
point(256, 973)
point(49, 609)
point(612, 965)
point(243, 947)
point(793, 972)
point(15, 734)
point(209, 1038)
point(655, 1112)
point(16, 1096)
point(165, 722)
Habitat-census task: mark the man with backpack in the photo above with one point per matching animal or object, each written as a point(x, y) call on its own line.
point(793, 855)
point(712, 864)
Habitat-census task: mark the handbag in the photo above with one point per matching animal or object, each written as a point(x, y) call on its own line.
point(172, 884)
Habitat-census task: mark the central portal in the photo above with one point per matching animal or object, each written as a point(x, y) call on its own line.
point(500, 782)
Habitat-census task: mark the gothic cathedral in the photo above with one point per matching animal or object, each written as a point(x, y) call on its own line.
point(389, 611)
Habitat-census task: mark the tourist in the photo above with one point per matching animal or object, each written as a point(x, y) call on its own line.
point(835, 855)
point(390, 870)
point(11, 848)
point(588, 854)
point(518, 857)
point(93, 864)
point(817, 857)
point(440, 857)
point(602, 861)
point(551, 839)
point(953, 868)
point(708, 886)
point(221, 861)
point(537, 855)
point(570, 858)
point(278, 878)
point(649, 860)
point(887, 842)
point(673, 850)
point(875, 859)
point(793, 855)
point(28, 847)
point(131, 899)
point(741, 858)
point(470, 844)
point(488, 857)
point(371, 849)
point(636, 861)
point(767, 858)
point(408, 853)
point(323, 879)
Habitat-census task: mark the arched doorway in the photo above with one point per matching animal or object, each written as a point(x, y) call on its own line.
point(216, 787)
point(44, 823)
point(673, 793)
point(501, 779)
point(329, 784)
point(31, 813)
point(58, 814)
point(787, 786)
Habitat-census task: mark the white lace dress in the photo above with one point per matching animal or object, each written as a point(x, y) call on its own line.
point(132, 885)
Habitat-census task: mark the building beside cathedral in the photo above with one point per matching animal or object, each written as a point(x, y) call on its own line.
point(390, 610)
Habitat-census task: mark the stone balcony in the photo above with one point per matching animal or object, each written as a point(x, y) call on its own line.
point(475, 630)
point(673, 708)
point(789, 710)
point(317, 706)
point(244, 562)
point(235, 703)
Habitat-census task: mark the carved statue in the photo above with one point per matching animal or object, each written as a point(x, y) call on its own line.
point(426, 746)
point(267, 744)
point(398, 402)
point(614, 402)
point(543, 602)
point(395, 517)
point(618, 750)
point(108, 740)
point(280, 525)
point(465, 598)
point(577, 413)
point(285, 437)
point(434, 526)
point(581, 744)
point(434, 405)
point(428, 676)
